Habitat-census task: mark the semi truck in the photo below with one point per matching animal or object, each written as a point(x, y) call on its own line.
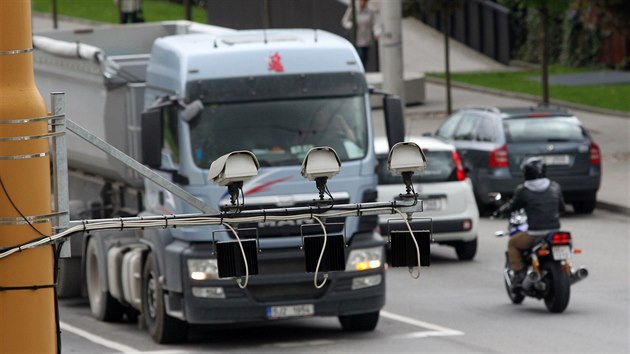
point(178, 95)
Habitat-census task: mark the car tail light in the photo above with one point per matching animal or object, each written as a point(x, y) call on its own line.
point(561, 238)
point(596, 156)
point(499, 157)
point(459, 167)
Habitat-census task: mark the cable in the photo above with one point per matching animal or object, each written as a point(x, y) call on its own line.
point(18, 210)
point(199, 220)
point(56, 251)
point(415, 242)
point(321, 255)
point(238, 281)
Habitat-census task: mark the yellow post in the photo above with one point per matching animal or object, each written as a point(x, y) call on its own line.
point(27, 316)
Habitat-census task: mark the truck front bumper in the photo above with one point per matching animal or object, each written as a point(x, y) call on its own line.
point(253, 303)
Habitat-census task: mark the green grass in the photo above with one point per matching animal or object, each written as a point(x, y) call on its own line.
point(615, 97)
point(106, 11)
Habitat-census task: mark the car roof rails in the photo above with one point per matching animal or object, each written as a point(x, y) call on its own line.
point(483, 108)
point(550, 106)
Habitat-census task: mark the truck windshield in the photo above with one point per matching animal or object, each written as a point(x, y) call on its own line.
point(280, 132)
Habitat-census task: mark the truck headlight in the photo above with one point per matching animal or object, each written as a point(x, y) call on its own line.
point(365, 259)
point(202, 269)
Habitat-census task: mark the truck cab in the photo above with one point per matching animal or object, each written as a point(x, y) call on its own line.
point(276, 93)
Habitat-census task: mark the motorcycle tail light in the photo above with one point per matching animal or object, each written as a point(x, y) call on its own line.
point(560, 238)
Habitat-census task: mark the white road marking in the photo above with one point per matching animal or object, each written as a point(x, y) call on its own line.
point(435, 330)
point(98, 339)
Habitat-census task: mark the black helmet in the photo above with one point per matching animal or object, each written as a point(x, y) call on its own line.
point(533, 168)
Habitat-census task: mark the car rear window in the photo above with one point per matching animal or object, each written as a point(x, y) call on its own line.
point(547, 129)
point(440, 168)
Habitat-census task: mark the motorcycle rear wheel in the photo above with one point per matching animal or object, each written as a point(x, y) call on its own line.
point(559, 287)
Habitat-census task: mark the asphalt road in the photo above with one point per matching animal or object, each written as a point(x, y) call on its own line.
point(455, 307)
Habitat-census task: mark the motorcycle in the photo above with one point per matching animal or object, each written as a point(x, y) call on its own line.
point(550, 273)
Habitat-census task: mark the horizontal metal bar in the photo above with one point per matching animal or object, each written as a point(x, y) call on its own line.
point(31, 137)
point(17, 51)
point(33, 120)
point(24, 157)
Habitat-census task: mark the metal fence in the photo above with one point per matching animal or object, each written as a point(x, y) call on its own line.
point(481, 24)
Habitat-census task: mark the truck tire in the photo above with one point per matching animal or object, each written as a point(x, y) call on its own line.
point(103, 306)
point(69, 278)
point(162, 327)
point(362, 322)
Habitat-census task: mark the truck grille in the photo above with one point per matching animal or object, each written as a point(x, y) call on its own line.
point(284, 292)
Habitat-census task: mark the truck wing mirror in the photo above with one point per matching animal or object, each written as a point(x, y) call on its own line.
point(152, 138)
point(394, 120)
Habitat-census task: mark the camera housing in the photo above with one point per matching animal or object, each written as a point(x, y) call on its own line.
point(234, 167)
point(406, 157)
point(320, 162)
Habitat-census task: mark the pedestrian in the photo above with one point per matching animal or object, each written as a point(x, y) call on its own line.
point(368, 29)
point(129, 10)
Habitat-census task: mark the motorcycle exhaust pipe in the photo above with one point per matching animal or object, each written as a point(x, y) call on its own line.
point(579, 274)
point(530, 279)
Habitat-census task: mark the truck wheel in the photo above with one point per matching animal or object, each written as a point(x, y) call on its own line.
point(359, 323)
point(104, 307)
point(162, 327)
point(69, 278)
point(466, 250)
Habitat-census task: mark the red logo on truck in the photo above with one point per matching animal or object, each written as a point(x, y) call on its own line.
point(275, 63)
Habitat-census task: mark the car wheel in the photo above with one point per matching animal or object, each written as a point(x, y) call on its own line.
point(466, 250)
point(162, 327)
point(585, 206)
point(103, 306)
point(359, 323)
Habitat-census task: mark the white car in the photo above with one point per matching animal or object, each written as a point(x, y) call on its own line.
point(449, 207)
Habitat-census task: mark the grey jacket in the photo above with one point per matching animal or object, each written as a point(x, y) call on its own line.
point(542, 200)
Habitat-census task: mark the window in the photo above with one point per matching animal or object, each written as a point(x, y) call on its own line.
point(281, 132)
point(552, 129)
point(466, 128)
point(486, 129)
point(170, 142)
point(447, 129)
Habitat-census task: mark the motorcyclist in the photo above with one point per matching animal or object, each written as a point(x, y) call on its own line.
point(542, 200)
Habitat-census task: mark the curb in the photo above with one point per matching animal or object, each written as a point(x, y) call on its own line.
point(525, 96)
point(614, 208)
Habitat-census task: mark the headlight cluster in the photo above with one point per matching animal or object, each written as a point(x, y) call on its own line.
point(203, 269)
point(365, 259)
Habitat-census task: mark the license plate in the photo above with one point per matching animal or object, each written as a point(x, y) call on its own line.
point(274, 312)
point(556, 159)
point(561, 252)
point(432, 204)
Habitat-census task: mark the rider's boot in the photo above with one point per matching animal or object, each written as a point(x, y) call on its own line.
point(519, 276)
